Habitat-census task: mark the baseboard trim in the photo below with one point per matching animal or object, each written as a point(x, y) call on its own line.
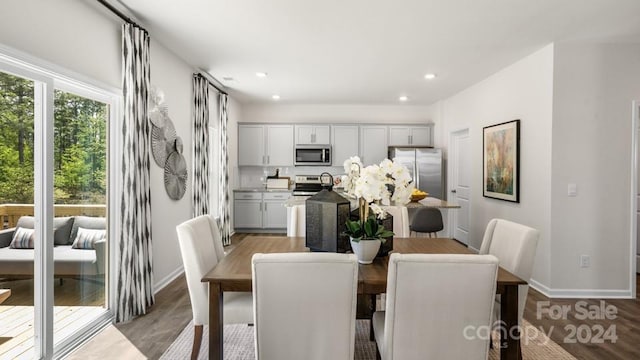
point(580, 293)
point(168, 279)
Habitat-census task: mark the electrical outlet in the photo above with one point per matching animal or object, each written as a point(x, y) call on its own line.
point(585, 261)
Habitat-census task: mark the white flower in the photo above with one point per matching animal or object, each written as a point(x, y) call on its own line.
point(377, 184)
point(380, 213)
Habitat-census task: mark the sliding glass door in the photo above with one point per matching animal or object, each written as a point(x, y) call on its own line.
point(56, 209)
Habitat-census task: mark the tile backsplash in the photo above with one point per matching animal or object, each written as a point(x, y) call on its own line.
point(256, 176)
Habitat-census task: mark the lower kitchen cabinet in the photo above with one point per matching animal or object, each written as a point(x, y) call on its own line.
point(260, 211)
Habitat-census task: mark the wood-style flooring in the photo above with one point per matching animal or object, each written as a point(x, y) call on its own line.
point(153, 333)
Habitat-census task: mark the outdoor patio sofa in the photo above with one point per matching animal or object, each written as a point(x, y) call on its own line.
point(68, 261)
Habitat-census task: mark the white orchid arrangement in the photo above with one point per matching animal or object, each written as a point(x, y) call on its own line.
point(375, 185)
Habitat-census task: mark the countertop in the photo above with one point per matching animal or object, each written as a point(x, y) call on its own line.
point(261, 189)
point(426, 202)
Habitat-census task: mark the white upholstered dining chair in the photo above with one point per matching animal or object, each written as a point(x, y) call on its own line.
point(515, 247)
point(400, 220)
point(202, 249)
point(304, 305)
point(297, 219)
point(432, 301)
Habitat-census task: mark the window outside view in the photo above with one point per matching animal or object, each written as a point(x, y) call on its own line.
point(80, 192)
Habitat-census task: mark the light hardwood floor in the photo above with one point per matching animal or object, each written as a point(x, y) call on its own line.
point(153, 333)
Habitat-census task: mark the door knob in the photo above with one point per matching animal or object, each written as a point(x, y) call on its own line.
point(454, 191)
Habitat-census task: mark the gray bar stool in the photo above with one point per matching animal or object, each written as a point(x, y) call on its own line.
point(427, 220)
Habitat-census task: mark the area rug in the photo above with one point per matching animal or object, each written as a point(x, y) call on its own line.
point(238, 344)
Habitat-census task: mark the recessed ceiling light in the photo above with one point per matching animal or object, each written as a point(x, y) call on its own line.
point(227, 78)
point(430, 76)
point(403, 98)
point(261, 74)
point(275, 97)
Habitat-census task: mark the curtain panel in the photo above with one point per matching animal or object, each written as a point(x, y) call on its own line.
point(223, 166)
point(200, 111)
point(134, 291)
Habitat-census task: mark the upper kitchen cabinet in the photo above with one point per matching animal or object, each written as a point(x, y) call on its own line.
point(312, 134)
point(345, 143)
point(411, 135)
point(265, 145)
point(373, 144)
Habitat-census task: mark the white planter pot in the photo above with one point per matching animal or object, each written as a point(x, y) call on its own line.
point(366, 250)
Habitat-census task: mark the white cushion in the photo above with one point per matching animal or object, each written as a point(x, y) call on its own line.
point(305, 305)
point(431, 300)
point(515, 247)
point(400, 220)
point(296, 226)
point(201, 249)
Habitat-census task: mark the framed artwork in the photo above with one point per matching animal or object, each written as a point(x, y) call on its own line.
point(501, 158)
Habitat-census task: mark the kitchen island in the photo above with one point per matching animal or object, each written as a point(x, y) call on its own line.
point(402, 219)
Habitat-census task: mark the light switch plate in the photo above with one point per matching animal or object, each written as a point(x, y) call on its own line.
point(572, 189)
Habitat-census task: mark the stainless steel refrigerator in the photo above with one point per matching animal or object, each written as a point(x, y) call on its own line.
point(425, 165)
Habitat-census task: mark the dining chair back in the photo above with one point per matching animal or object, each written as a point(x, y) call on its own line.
point(201, 249)
point(304, 305)
point(436, 306)
point(400, 220)
point(515, 247)
point(297, 218)
point(427, 220)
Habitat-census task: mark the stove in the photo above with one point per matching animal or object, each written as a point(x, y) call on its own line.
point(307, 185)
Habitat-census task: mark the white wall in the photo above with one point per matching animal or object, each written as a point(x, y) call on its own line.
point(520, 91)
point(173, 77)
point(594, 86)
point(75, 35)
point(85, 38)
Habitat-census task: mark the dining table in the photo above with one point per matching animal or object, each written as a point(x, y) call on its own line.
point(233, 273)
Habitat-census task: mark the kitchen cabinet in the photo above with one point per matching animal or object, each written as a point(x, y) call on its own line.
point(373, 144)
point(247, 210)
point(345, 143)
point(265, 145)
point(312, 134)
point(274, 213)
point(410, 135)
point(256, 210)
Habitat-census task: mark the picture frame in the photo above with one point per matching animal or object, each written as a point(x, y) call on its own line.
point(501, 161)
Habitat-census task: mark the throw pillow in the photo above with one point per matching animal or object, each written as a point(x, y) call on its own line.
point(87, 237)
point(87, 222)
point(22, 239)
point(62, 227)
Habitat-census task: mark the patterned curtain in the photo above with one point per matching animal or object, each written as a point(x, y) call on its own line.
point(200, 110)
point(223, 166)
point(134, 292)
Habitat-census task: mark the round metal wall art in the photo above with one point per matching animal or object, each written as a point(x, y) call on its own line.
point(166, 146)
point(163, 142)
point(175, 176)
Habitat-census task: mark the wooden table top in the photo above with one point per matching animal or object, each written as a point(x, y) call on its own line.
point(433, 202)
point(4, 294)
point(233, 273)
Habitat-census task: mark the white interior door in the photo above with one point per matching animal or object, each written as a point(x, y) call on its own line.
point(460, 193)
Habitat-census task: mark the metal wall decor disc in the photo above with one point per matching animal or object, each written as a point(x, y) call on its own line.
point(162, 142)
point(175, 176)
point(178, 145)
point(158, 115)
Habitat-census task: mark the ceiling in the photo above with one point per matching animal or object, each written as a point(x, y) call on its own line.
point(371, 51)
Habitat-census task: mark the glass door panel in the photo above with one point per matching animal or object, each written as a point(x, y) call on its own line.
point(17, 239)
point(80, 207)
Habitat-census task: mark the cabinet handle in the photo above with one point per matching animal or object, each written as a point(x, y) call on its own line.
point(268, 160)
point(409, 139)
point(260, 206)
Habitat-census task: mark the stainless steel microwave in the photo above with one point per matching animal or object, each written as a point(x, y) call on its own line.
point(313, 155)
